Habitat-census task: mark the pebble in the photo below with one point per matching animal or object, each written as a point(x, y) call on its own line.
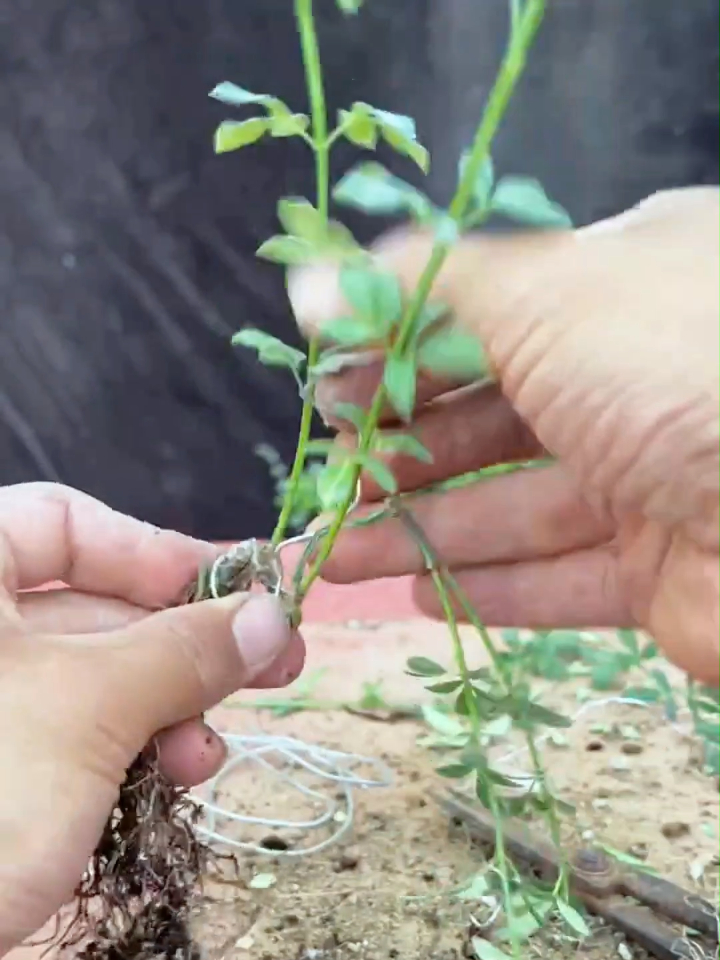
point(675, 829)
point(632, 748)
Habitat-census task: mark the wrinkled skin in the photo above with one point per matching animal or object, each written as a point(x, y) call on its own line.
point(90, 674)
point(604, 346)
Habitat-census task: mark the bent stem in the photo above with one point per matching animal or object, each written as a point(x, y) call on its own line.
point(321, 149)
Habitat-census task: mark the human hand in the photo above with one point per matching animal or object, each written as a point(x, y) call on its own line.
point(89, 675)
point(604, 346)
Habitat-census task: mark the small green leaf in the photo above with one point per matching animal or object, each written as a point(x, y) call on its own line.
point(330, 362)
point(536, 713)
point(629, 640)
point(452, 353)
point(454, 771)
point(403, 443)
point(236, 96)
point(643, 694)
point(445, 686)
point(525, 200)
point(350, 412)
point(409, 148)
point(380, 472)
point(573, 919)
point(291, 251)
point(374, 294)
point(335, 484)
point(397, 122)
point(350, 7)
point(349, 331)
point(233, 134)
point(371, 188)
point(299, 218)
point(400, 381)
point(359, 126)
point(430, 315)
point(271, 351)
point(289, 125)
point(424, 667)
point(484, 950)
point(483, 184)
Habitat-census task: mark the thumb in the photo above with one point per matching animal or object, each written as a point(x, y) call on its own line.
point(178, 663)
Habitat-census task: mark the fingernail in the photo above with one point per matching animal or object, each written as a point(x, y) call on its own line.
point(261, 632)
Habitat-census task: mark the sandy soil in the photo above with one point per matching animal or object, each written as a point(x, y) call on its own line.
point(384, 891)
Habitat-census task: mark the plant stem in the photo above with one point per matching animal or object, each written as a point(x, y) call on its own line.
point(508, 76)
point(321, 149)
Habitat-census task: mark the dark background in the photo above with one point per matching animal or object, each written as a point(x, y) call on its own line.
point(126, 247)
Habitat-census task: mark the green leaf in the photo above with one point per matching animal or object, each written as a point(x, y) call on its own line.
point(271, 351)
point(454, 771)
point(430, 315)
point(400, 381)
point(374, 294)
point(483, 183)
point(350, 7)
point(350, 331)
point(371, 188)
point(445, 686)
point(629, 640)
point(452, 353)
point(484, 950)
point(443, 723)
point(403, 443)
point(573, 919)
point(329, 362)
point(399, 132)
point(537, 714)
point(525, 200)
point(289, 125)
point(350, 412)
point(236, 96)
point(335, 484)
point(359, 126)
point(380, 472)
point(643, 694)
point(291, 251)
point(299, 218)
point(424, 667)
point(233, 134)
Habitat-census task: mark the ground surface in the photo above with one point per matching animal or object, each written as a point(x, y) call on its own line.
point(383, 892)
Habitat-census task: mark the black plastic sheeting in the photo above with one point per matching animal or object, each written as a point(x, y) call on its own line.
point(126, 247)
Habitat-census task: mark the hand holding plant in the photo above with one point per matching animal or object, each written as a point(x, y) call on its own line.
point(605, 346)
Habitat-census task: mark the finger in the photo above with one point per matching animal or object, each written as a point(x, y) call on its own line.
point(577, 590)
point(463, 431)
point(512, 517)
point(190, 753)
point(52, 532)
point(68, 612)
point(177, 664)
point(71, 612)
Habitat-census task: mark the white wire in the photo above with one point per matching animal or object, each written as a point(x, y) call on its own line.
point(331, 767)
